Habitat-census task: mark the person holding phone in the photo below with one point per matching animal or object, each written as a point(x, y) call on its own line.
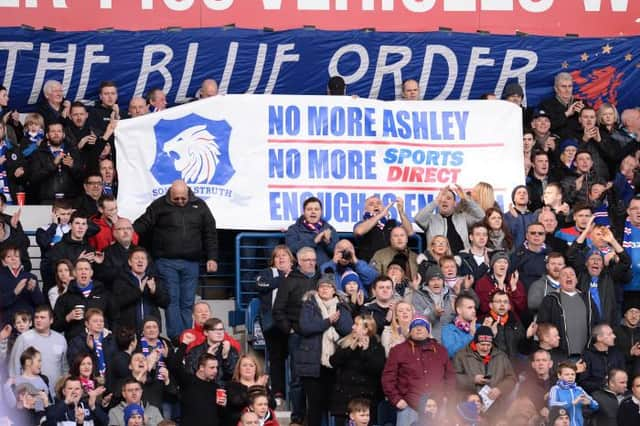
point(481, 365)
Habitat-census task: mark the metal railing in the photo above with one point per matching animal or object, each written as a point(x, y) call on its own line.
point(253, 252)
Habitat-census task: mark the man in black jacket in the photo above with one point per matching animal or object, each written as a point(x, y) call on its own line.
point(137, 292)
point(609, 398)
point(83, 293)
point(286, 313)
point(600, 357)
point(107, 109)
point(88, 200)
point(117, 254)
point(564, 107)
point(74, 245)
point(628, 336)
point(572, 312)
point(181, 231)
point(201, 405)
point(56, 169)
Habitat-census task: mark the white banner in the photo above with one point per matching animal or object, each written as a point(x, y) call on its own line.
point(255, 159)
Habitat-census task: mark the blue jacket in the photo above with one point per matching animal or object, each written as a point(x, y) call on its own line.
point(62, 414)
point(530, 265)
point(299, 236)
point(565, 397)
point(312, 325)
point(518, 225)
point(454, 339)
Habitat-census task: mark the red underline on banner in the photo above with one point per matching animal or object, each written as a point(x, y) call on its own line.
point(388, 187)
point(411, 144)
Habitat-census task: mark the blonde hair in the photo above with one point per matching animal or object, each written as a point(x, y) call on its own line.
point(351, 339)
point(430, 248)
point(616, 116)
point(395, 325)
point(281, 248)
point(34, 118)
point(485, 196)
point(236, 370)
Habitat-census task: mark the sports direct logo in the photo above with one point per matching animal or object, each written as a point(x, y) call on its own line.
point(195, 149)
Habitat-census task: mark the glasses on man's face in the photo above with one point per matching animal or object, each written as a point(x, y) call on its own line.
point(539, 233)
point(94, 183)
point(308, 260)
point(124, 228)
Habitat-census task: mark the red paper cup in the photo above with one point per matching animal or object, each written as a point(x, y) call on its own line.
point(21, 197)
point(220, 394)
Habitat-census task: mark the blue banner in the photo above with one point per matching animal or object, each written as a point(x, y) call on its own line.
point(447, 65)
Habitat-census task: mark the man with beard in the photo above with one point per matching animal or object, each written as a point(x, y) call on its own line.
point(56, 169)
point(459, 333)
point(84, 138)
point(548, 283)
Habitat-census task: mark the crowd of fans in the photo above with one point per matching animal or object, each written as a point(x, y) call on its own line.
point(524, 317)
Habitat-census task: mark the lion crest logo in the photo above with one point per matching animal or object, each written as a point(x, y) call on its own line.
point(192, 148)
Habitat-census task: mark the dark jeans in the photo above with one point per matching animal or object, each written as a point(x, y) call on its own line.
point(318, 391)
point(277, 347)
point(181, 278)
point(296, 393)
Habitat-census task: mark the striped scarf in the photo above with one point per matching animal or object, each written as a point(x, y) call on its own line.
point(147, 349)
point(102, 362)
point(86, 291)
point(315, 227)
point(380, 224)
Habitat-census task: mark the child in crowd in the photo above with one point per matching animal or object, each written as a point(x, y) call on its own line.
point(34, 124)
point(22, 322)
point(358, 410)
point(353, 289)
point(50, 234)
point(565, 393)
point(31, 365)
point(260, 406)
